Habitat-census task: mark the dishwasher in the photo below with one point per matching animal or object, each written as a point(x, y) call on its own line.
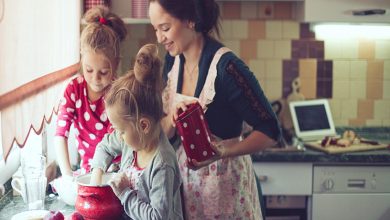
point(351, 193)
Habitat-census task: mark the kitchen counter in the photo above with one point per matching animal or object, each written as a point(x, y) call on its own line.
point(372, 157)
point(11, 205)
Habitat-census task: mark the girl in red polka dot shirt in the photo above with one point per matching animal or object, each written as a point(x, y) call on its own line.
point(82, 104)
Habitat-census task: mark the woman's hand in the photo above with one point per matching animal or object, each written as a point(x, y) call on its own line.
point(119, 182)
point(220, 152)
point(181, 107)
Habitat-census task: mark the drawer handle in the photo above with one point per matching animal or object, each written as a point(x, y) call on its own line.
point(263, 178)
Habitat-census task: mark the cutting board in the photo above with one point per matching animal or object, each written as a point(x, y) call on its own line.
point(332, 149)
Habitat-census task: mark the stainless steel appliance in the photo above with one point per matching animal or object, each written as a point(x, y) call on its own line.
point(351, 193)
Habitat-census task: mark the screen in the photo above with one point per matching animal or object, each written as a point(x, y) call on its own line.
point(312, 117)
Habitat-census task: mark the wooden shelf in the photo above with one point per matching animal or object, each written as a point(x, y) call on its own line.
point(131, 21)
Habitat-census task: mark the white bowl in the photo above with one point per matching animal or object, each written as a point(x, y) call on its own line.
point(66, 189)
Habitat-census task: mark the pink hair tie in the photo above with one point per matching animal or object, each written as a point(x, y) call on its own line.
point(102, 21)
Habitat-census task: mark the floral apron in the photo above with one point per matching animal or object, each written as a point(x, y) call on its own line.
point(225, 189)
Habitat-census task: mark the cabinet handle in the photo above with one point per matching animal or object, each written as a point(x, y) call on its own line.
point(263, 178)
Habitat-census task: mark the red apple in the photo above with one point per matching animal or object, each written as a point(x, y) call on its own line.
point(54, 215)
point(74, 216)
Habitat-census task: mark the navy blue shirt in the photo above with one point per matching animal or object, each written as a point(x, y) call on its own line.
point(238, 97)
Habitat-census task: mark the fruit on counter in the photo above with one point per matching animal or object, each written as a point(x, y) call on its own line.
point(54, 215)
point(74, 216)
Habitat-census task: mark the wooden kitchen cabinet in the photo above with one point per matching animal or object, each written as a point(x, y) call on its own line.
point(341, 11)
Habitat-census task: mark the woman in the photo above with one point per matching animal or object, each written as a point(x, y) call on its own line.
point(198, 67)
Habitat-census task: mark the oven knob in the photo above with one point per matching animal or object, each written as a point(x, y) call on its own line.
point(328, 184)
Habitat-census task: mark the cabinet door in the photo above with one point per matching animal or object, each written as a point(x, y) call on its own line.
point(285, 178)
point(341, 10)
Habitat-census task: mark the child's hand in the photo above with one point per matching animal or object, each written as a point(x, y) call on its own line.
point(119, 182)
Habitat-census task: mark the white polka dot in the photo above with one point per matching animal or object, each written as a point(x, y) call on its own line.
point(192, 146)
point(103, 117)
point(86, 116)
point(78, 103)
point(66, 133)
point(86, 144)
point(99, 126)
point(63, 101)
point(185, 124)
point(212, 153)
point(71, 82)
point(69, 110)
point(81, 152)
point(85, 92)
point(189, 159)
point(93, 107)
point(201, 117)
point(61, 123)
point(181, 137)
point(204, 153)
point(197, 131)
point(72, 97)
point(81, 126)
point(92, 136)
point(208, 138)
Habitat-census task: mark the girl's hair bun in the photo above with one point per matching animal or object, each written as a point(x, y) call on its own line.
point(147, 65)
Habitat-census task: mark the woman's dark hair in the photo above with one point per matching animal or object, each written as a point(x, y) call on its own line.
point(204, 13)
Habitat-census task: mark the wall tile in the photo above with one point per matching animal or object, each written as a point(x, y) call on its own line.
point(374, 123)
point(226, 29)
point(341, 122)
point(386, 89)
point(265, 49)
point(324, 88)
point(305, 32)
point(358, 69)
point(273, 89)
point(240, 29)
point(357, 122)
point(273, 69)
point(265, 10)
point(382, 49)
point(349, 109)
point(247, 49)
point(375, 70)
point(386, 69)
point(341, 69)
point(290, 30)
point(258, 69)
point(381, 109)
point(283, 10)
point(375, 90)
point(366, 49)
point(248, 10)
point(349, 49)
point(308, 68)
point(273, 30)
point(357, 89)
point(231, 10)
point(365, 109)
point(282, 49)
point(386, 122)
point(308, 87)
point(332, 49)
point(256, 29)
point(234, 45)
point(335, 108)
point(341, 89)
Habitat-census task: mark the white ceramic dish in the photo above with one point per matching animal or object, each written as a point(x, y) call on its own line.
point(30, 215)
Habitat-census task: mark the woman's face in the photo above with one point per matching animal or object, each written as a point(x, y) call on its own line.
point(174, 34)
point(98, 71)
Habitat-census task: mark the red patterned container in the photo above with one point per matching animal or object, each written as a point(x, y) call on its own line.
point(97, 202)
point(194, 132)
point(88, 4)
point(139, 8)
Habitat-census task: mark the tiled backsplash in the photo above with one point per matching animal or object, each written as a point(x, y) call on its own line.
point(353, 74)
